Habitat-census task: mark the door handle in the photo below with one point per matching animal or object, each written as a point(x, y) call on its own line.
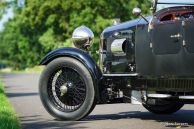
point(176, 36)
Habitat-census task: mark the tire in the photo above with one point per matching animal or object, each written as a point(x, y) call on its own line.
point(66, 89)
point(166, 108)
point(92, 108)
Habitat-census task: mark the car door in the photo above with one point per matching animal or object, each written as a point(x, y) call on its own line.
point(166, 37)
point(189, 35)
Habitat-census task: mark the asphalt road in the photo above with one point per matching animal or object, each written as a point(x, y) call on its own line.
point(22, 90)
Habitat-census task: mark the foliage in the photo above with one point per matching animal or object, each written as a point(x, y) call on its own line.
point(3, 5)
point(43, 25)
point(8, 119)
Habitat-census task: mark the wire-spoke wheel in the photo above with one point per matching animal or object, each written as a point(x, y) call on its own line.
point(66, 89)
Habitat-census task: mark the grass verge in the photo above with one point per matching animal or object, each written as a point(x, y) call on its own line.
point(8, 119)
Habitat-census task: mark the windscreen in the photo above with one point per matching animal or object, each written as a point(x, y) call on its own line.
point(172, 3)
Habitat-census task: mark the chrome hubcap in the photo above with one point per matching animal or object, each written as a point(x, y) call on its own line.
point(64, 88)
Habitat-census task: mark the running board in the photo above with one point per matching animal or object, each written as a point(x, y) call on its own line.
point(186, 97)
point(121, 75)
point(161, 96)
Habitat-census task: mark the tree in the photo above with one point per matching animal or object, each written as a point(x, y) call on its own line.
point(43, 25)
point(3, 5)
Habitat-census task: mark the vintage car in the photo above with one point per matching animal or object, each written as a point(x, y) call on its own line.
point(148, 61)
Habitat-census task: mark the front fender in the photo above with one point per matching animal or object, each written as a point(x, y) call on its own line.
point(83, 57)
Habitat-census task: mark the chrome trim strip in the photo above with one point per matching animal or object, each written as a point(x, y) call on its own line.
point(121, 75)
point(186, 97)
point(159, 95)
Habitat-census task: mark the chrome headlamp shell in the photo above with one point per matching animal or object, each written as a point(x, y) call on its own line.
point(82, 38)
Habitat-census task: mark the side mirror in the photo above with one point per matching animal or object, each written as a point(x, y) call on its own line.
point(136, 11)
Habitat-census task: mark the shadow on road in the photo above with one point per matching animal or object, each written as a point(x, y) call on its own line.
point(10, 95)
point(182, 116)
point(32, 122)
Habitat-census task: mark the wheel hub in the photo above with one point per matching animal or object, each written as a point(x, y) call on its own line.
point(66, 87)
point(69, 84)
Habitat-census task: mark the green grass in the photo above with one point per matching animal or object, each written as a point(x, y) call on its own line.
point(8, 119)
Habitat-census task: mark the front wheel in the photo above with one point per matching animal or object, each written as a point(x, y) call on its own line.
point(66, 89)
point(165, 107)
